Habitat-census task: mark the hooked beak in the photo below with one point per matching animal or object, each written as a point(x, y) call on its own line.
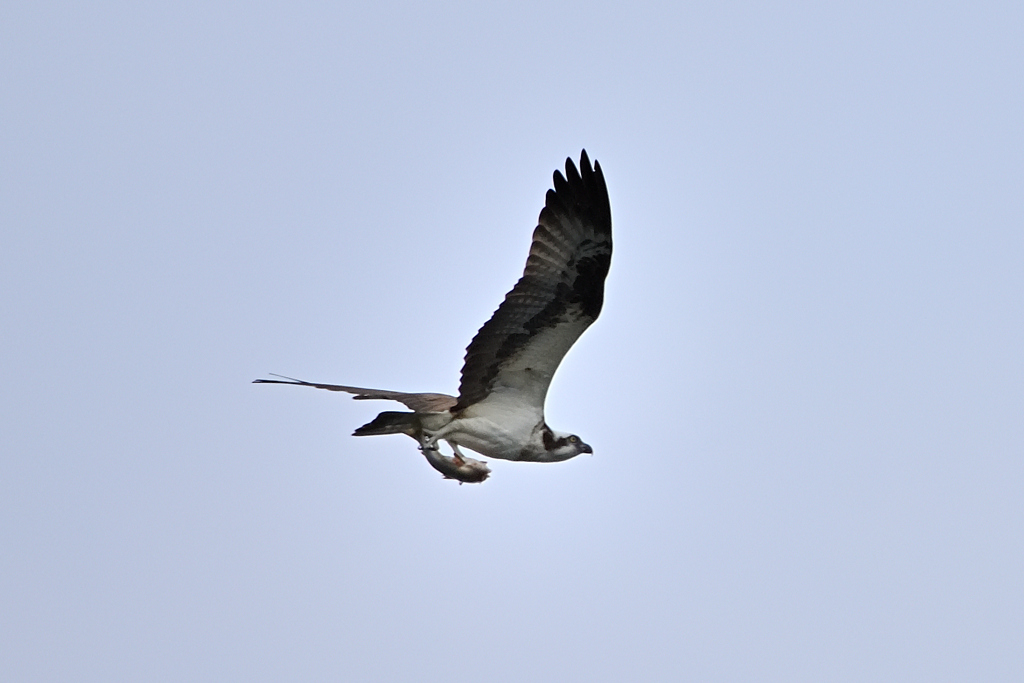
point(584, 448)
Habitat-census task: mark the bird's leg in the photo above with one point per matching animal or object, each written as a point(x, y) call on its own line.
point(433, 437)
point(458, 466)
point(427, 441)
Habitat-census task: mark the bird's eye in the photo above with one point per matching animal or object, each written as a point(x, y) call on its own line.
point(573, 439)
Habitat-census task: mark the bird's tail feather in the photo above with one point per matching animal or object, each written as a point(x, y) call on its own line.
point(390, 422)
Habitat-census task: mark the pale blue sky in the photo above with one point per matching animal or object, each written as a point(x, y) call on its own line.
point(805, 394)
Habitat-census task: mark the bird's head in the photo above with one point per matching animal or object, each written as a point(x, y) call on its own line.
point(560, 446)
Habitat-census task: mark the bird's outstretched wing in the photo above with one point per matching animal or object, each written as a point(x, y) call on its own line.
point(420, 403)
point(515, 354)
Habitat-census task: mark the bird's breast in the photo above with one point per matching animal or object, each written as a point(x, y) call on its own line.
point(503, 441)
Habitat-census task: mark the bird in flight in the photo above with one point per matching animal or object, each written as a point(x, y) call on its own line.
point(499, 412)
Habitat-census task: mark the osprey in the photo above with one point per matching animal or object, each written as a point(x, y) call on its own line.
point(499, 411)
